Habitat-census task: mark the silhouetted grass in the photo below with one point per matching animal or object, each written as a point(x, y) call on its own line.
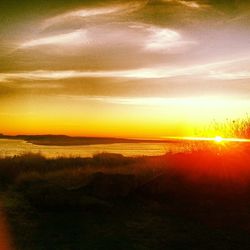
point(193, 200)
point(230, 128)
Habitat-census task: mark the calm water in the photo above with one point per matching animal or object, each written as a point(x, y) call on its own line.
point(17, 147)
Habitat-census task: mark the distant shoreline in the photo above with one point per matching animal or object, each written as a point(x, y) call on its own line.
point(64, 140)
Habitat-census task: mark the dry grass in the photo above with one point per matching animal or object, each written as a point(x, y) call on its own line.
point(231, 128)
point(110, 197)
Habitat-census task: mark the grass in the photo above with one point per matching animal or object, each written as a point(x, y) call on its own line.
point(193, 200)
point(231, 128)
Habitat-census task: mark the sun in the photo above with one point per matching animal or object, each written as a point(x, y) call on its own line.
point(218, 139)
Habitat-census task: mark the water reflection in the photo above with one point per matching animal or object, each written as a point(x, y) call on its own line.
point(17, 147)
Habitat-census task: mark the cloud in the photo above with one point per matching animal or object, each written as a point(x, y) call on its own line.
point(216, 70)
point(58, 75)
point(153, 38)
point(237, 69)
point(144, 73)
point(220, 75)
point(131, 6)
point(207, 100)
point(221, 70)
point(163, 39)
point(75, 37)
point(34, 85)
point(143, 101)
point(39, 75)
point(134, 37)
point(189, 4)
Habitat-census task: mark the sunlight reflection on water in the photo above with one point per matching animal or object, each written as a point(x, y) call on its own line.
point(17, 147)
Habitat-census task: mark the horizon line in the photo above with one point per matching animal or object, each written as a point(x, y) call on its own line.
point(172, 138)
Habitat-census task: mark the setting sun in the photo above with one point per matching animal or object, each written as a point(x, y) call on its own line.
point(218, 139)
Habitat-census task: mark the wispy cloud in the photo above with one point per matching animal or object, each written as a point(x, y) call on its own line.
point(58, 75)
point(78, 36)
point(189, 4)
point(131, 6)
point(38, 75)
point(238, 75)
point(217, 70)
point(212, 101)
point(31, 85)
point(131, 35)
point(163, 39)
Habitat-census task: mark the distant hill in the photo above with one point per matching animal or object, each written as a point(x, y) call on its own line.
point(64, 140)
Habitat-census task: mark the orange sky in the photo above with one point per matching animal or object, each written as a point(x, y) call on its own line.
point(125, 68)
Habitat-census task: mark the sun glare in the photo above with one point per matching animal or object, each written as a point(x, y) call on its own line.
point(218, 139)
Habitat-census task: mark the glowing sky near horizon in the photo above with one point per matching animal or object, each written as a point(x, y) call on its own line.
point(146, 68)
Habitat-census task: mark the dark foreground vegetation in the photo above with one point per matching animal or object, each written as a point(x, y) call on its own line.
point(194, 200)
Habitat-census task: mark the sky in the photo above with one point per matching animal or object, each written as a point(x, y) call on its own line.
point(137, 69)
